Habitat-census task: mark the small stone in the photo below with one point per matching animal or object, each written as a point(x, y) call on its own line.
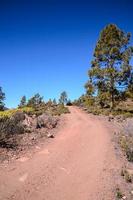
point(132, 192)
point(5, 161)
point(37, 147)
point(110, 118)
point(49, 135)
point(130, 171)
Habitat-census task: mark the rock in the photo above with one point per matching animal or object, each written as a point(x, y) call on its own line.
point(29, 123)
point(110, 118)
point(46, 121)
point(50, 135)
point(34, 116)
point(18, 116)
point(21, 123)
point(130, 172)
point(120, 118)
point(132, 192)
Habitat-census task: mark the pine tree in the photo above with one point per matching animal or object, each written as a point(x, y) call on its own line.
point(2, 98)
point(54, 101)
point(110, 70)
point(34, 101)
point(22, 102)
point(63, 98)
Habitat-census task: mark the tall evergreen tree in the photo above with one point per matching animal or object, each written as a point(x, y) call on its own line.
point(2, 98)
point(22, 102)
point(63, 98)
point(54, 101)
point(35, 100)
point(111, 69)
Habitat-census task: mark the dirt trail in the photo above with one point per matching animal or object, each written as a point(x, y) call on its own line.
point(78, 164)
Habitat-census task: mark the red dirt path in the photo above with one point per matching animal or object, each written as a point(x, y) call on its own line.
point(78, 164)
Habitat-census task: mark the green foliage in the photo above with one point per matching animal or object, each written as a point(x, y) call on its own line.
point(85, 101)
point(35, 100)
point(56, 110)
point(63, 98)
point(110, 69)
point(10, 126)
point(27, 110)
point(119, 194)
point(54, 102)
point(9, 113)
point(92, 104)
point(61, 109)
point(22, 102)
point(126, 143)
point(89, 88)
point(2, 98)
point(11, 121)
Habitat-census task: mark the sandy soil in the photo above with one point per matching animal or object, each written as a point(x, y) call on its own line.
point(78, 164)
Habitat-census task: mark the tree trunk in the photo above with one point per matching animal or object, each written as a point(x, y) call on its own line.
point(112, 101)
point(112, 94)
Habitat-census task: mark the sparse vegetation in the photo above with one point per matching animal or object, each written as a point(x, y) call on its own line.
point(63, 98)
point(22, 102)
point(91, 105)
point(25, 118)
point(126, 143)
point(35, 101)
point(127, 176)
point(119, 194)
point(8, 113)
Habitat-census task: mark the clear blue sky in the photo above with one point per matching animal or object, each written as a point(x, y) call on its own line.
point(47, 46)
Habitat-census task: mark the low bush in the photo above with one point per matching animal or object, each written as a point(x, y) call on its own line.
point(126, 143)
point(57, 110)
point(119, 194)
point(61, 109)
point(14, 122)
point(92, 105)
point(8, 113)
point(27, 110)
point(10, 125)
point(127, 176)
point(97, 110)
